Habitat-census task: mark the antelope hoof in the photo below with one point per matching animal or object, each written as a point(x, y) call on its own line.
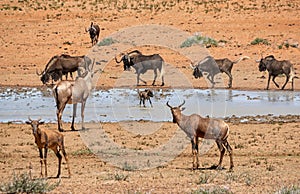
point(219, 167)
point(162, 84)
point(195, 166)
point(73, 128)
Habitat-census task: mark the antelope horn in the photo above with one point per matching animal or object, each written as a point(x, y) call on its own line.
point(182, 104)
point(29, 119)
point(169, 105)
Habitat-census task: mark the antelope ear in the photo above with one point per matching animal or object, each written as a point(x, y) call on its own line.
point(28, 122)
point(182, 109)
point(41, 122)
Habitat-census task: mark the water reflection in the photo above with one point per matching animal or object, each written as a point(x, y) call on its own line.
point(123, 104)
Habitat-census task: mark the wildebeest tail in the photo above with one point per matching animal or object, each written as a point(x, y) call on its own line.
point(292, 74)
point(162, 70)
point(240, 59)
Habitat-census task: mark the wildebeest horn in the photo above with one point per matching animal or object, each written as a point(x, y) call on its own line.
point(192, 66)
point(39, 74)
point(117, 60)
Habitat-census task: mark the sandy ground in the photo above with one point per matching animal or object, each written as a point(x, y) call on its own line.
point(266, 156)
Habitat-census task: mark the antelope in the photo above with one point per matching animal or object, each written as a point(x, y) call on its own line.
point(44, 139)
point(196, 126)
point(66, 92)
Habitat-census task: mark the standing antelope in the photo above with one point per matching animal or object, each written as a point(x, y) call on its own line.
point(66, 92)
point(196, 126)
point(44, 139)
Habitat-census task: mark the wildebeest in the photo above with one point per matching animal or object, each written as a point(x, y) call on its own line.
point(66, 92)
point(276, 68)
point(214, 66)
point(142, 63)
point(60, 65)
point(94, 31)
point(145, 95)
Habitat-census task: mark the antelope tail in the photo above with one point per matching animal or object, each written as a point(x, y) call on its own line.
point(55, 93)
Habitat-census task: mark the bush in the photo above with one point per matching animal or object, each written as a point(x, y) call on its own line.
point(24, 184)
point(198, 39)
point(106, 42)
point(214, 190)
point(260, 41)
point(289, 190)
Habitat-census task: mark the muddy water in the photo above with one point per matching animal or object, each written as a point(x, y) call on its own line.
point(123, 104)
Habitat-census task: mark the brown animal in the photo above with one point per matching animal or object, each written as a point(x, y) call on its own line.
point(44, 139)
point(196, 126)
point(145, 95)
point(60, 65)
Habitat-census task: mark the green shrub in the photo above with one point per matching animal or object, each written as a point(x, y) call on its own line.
point(24, 184)
point(260, 41)
point(106, 42)
point(289, 190)
point(201, 40)
point(213, 190)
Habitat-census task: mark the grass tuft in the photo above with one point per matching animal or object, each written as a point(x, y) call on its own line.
point(201, 40)
point(24, 184)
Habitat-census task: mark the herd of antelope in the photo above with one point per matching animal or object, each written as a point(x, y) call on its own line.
point(78, 90)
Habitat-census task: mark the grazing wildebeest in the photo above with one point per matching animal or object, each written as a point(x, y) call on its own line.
point(94, 31)
point(142, 63)
point(66, 92)
point(276, 68)
point(60, 65)
point(145, 95)
point(196, 127)
point(214, 66)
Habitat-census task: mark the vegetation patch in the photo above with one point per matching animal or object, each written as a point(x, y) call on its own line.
point(24, 184)
point(257, 41)
point(106, 42)
point(201, 40)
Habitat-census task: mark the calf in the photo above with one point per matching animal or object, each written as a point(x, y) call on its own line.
point(145, 95)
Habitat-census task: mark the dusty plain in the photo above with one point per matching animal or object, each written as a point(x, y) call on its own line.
point(266, 155)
